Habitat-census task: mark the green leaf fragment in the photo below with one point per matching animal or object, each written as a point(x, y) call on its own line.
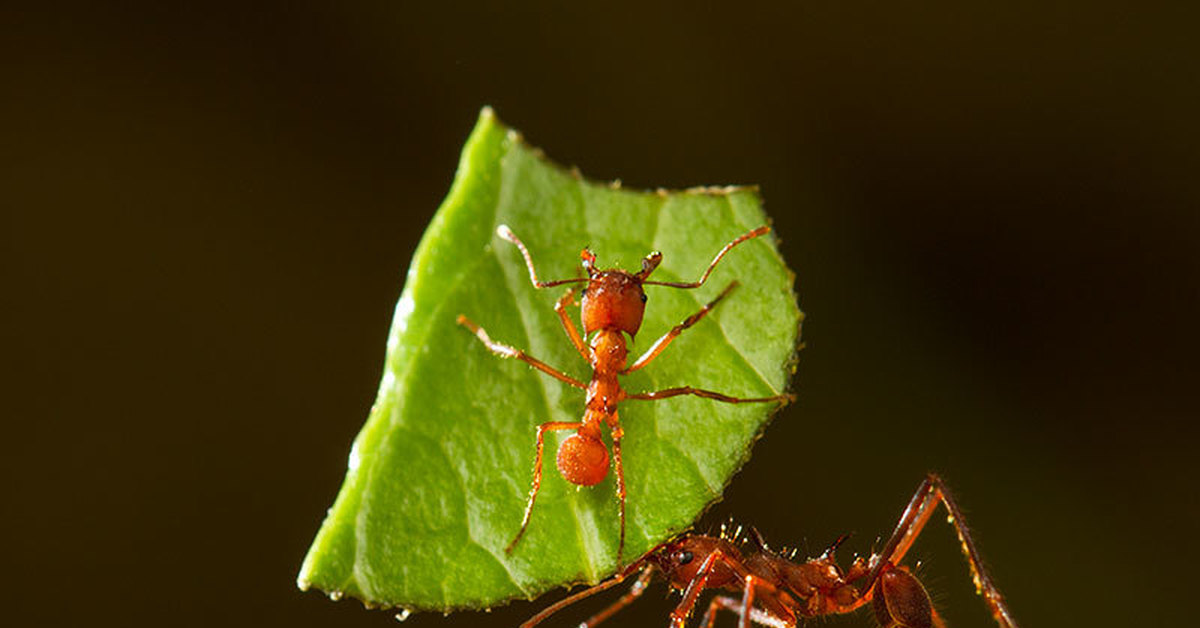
point(439, 476)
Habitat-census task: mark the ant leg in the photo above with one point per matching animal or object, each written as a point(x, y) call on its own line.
point(504, 232)
point(537, 473)
point(752, 584)
point(560, 308)
point(647, 572)
point(636, 591)
point(733, 604)
point(696, 284)
point(930, 493)
point(666, 339)
point(707, 394)
point(718, 603)
point(617, 434)
point(506, 351)
point(699, 581)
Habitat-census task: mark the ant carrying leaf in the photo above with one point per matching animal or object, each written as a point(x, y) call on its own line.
point(612, 307)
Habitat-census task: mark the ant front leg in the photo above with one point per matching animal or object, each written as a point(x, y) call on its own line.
point(506, 351)
point(666, 339)
point(896, 583)
point(537, 474)
point(707, 394)
point(634, 592)
point(700, 581)
point(560, 308)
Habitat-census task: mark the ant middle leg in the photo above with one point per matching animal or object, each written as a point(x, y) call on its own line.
point(707, 394)
point(924, 502)
point(552, 426)
point(752, 585)
point(506, 351)
point(666, 338)
point(734, 605)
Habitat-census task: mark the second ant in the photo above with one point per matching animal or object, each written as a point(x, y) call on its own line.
point(780, 592)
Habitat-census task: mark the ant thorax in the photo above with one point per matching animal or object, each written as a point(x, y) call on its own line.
point(614, 299)
point(609, 351)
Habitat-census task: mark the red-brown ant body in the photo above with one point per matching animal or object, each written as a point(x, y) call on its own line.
point(613, 304)
point(778, 592)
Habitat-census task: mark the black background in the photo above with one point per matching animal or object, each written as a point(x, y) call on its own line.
point(992, 211)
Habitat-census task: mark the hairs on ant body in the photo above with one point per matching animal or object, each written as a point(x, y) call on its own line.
point(778, 592)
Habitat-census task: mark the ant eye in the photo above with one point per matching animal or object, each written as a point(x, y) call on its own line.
point(643, 297)
point(683, 557)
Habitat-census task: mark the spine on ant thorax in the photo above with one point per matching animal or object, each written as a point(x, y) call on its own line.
point(608, 359)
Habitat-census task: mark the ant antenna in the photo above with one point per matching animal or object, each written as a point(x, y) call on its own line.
point(696, 284)
point(504, 232)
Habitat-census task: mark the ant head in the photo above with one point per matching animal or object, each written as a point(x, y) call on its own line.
point(680, 559)
point(614, 299)
point(582, 459)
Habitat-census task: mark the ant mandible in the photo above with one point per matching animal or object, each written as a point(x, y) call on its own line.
point(613, 304)
point(778, 592)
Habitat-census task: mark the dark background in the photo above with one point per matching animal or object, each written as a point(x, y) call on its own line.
point(992, 211)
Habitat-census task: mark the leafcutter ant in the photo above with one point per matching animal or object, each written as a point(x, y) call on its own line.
point(778, 592)
point(612, 306)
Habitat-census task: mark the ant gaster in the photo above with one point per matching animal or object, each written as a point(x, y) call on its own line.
point(612, 306)
point(778, 592)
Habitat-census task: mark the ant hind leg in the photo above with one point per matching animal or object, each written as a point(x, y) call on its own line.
point(921, 507)
point(617, 434)
point(552, 426)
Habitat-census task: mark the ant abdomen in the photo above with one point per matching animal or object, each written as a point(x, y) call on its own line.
point(900, 600)
point(582, 460)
